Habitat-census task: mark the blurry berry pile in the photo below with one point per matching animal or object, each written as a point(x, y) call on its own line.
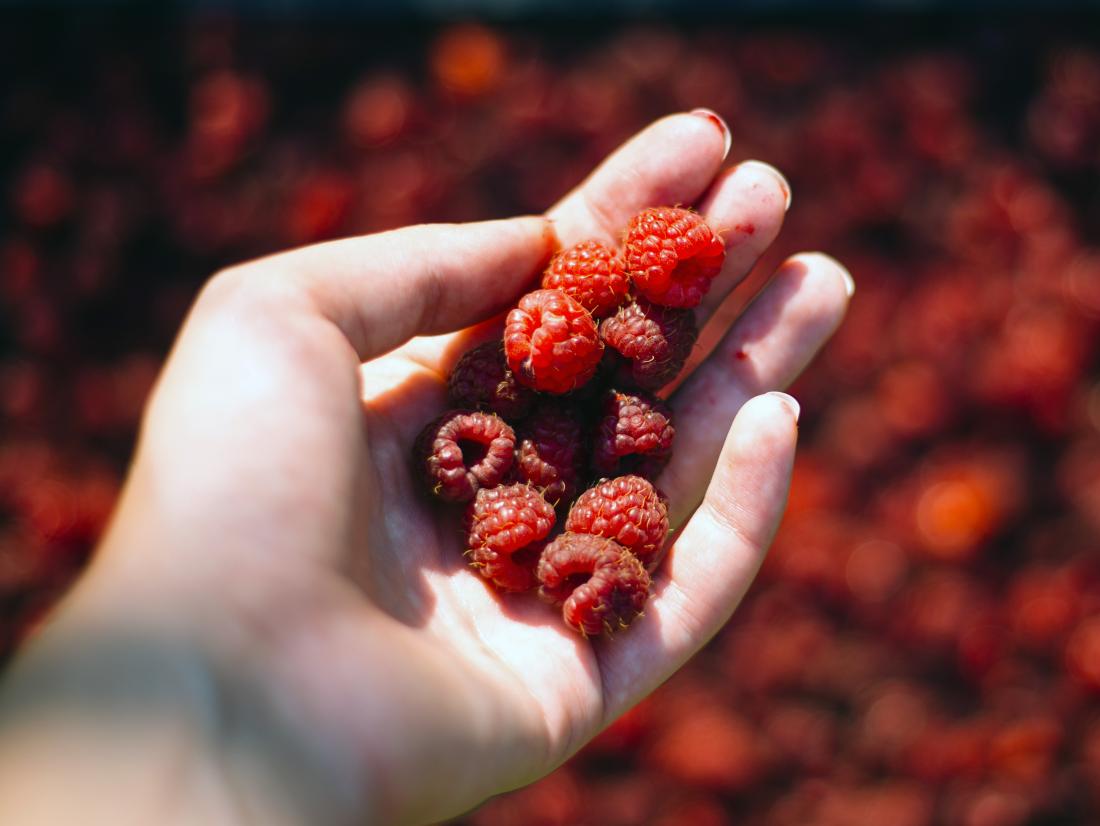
point(923, 643)
point(606, 327)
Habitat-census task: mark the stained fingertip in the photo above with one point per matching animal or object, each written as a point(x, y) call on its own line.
point(745, 205)
point(779, 178)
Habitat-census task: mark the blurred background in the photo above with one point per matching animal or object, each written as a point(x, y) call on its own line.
point(923, 643)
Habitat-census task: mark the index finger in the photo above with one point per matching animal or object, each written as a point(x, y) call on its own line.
point(672, 161)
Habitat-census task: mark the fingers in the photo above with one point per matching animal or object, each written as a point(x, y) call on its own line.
point(675, 161)
point(746, 205)
point(714, 558)
point(765, 349)
point(382, 290)
point(670, 162)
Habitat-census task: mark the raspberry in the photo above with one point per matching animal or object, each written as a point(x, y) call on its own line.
point(590, 273)
point(463, 451)
point(549, 452)
point(627, 509)
point(647, 344)
point(481, 380)
point(634, 436)
point(600, 585)
point(672, 255)
point(505, 528)
point(551, 342)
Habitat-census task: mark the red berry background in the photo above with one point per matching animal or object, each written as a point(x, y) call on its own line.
point(923, 643)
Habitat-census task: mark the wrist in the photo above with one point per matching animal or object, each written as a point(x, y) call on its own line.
point(117, 707)
point(98, 718)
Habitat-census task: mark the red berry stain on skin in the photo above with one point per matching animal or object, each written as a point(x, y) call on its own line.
point(740, 355)
point(747, 229)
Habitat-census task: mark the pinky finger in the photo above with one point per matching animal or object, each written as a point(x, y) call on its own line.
point(715, 557)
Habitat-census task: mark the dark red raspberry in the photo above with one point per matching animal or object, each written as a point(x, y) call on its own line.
point(550, 452)
point(551, 342)
point(505, 530)
point(648, 344)
point(672, 255)
point(463, 451)
point(482, 380)
point(634, 435)
point(592, 274)
point(600, 585)
point(627, 509)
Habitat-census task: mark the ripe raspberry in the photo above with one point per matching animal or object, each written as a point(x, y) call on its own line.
point(634, 436)
point(551, 342)
point(505, 528)
point(462, 451)
point(600, 585)
point(647, 344)
point(481, 380)
point(550, 453)
point(592, 274)
point(672, 255)
point(627, 509)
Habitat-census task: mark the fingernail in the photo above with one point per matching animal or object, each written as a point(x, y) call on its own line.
point(550, 235)
point(849, 282)
point(784, 187)
point(789, 401)
point(716, 119)
point(846, 277)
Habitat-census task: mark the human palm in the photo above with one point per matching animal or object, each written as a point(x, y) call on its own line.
point(375, 673)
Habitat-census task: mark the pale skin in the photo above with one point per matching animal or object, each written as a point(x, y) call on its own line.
point(278, 628)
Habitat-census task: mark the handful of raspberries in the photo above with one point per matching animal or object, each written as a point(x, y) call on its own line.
point(564, 405)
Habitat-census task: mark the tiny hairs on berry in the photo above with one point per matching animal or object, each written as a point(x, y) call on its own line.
point(600, 585)
point(463, 451)
point(672, 255)
point(551, 342)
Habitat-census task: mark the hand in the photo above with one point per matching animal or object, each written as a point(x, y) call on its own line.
point(291, 627)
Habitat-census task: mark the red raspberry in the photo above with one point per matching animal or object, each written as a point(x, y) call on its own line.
point(482, 380)
point(462, 451)
point(672, 255)
point(600, 585)
point(627, 509)
point(550, 453)
point(505, 528)
point(592, 274)
point(634, 436)
point(551, 342)
point(648, 344)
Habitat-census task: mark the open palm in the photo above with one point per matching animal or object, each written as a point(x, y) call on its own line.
point(375, 673)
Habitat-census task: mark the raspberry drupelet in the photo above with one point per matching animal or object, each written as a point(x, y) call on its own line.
point(647, 344)
point(481, 380)
point(463, 451)
point(634, 435)
point(505, 531)
point(672, 255)
point(627, 509)
point(550, 452)
point(592, 274)
point(600, 585)
point(551, 342)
